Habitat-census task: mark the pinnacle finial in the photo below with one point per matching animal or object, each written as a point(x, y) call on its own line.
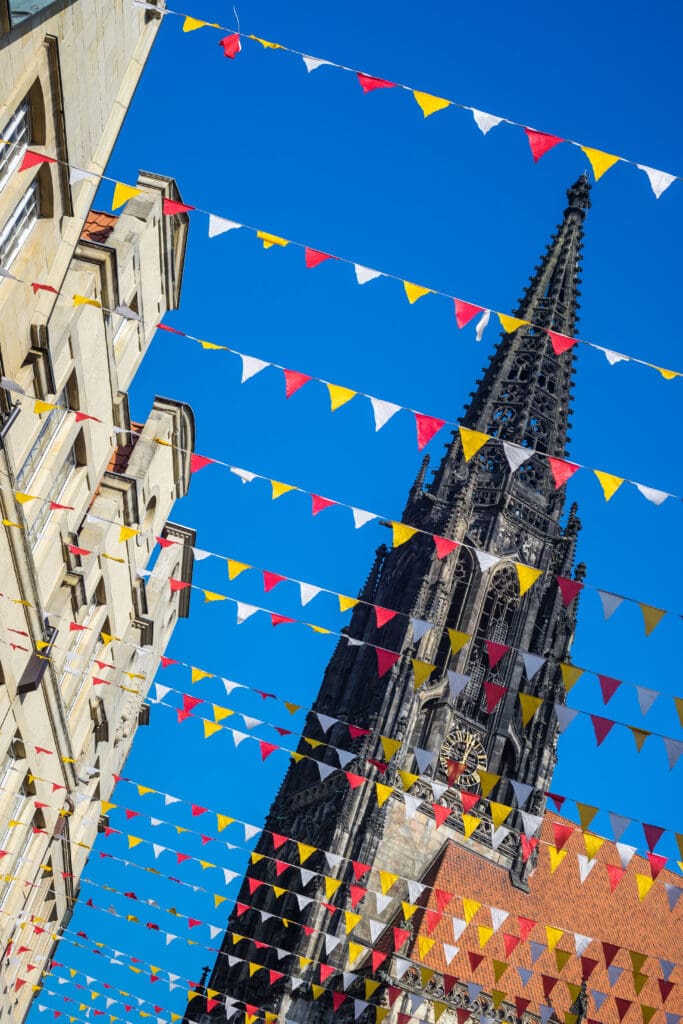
point(579, 195)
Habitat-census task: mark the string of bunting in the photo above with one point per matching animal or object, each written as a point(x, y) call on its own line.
point(539, 142)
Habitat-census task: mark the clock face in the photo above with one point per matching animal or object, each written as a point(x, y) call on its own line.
point(462, 758)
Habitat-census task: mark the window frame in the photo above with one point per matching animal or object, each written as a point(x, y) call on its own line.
point(17, 132)
point(26, 214)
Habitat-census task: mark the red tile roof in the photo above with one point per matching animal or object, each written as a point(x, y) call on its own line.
point(98, 226)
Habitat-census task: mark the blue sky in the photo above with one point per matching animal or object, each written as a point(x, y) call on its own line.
point(311, 158)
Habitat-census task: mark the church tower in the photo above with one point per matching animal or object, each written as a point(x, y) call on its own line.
point(502, 501)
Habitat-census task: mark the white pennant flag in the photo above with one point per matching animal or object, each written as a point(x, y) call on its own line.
point(168, 799)
point(532, 663)
point(438, 789)
point(238, 736)
point(359, 1006)
point(214, 931)
point(652, 494)
point(326, 722)
point(308, 592)
point(521, 791)
point(127, 313)
point(473, 991)
point(365, 274)
point(331, 943)
point(449, 952)
point(456, 682)
point(294, 983)
point(245, 475)
point(230, 876)
point(313, 63)
point(382, 902)
point(170, 938)
point(610, 602)
point(532, 822)
point(411, 804)
point(420, 629)
point(619, 824)
point(400, 966)
point(251, 722)
point(565, 716)
point(515, 454)
point(230, 686)
point(219, 225)
point(586, 865)
point(486, 561)
point(345, 756)
point(303, 901)
point(581, 942)
point(245, 611)
point(498, 917)
point(498, 836)
point(482, 324)
point(646, 698)
point(250, 831)
point(161, 692)
point(415, 890)
point(325, 769)
point(77, 174)
point(423, 758)
point(626, 853)
point(376, 928)
point(251, 366)
point(611, 356)
point(348, 978)
point(200, 554)
point(306, 875)
point(333, 860)
point(383, 411)
point(659, 180)
point(485, 122)
point(361, 517)
point(459, 926)
point(157, 849)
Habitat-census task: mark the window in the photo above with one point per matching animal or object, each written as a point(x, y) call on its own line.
point(59, 482)
point(21, 9)
point(21, 222)
point(49, 427)
point(18, 134)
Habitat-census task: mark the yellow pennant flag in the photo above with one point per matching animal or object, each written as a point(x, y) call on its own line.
point(429, 104)
point(647, 1012)
point(122, 193)
point(280, 489)
point(305, 851)
point(126, 532)
point(389, 746)
point(599, 161)
point(666, 374)
point(651, 617)
point(510, 324)
point(553, 935)
point(644, 883)
point(470, 823)
point(371, 987)
point(107, 806)
point(639, 981)
point(235, 568)
point(317, 990)
point(23, 498)
point(408, 910)
point(527, 576)
point(562, 958)
point(472, 441)
point(219, 712)
point(499, 813)
point(530, 706)
point(83, 300)
point(211, 345)
point(133, 841)
point(499, 968)
point(355, 950)
point(570, 674)
point(265, 44)
point(414, 291)
point(331, 886)
point(191, 24)
point(556, 858)
point(610, 484)
point(439, 1008)
point(197, 674)
point(497, 997)
point(339, 396)
point(210, 595)
point(17, 526)
point(278, 891)
point(586, 814)
point(269, 240)
point(424, 944)
point(253, 968)
point(485, 934)
point(210, 728)
point(407, 779)
point(383, 793)
point(318, 629)
point(39, 407)
point(401, 533)
point(346, 602)
point(470, 907)
point(386, 880)
point(222, 821)
point(592, 844)
point(217, 900)
point(351, 920)
point(422, 670)
point(292, 708)
point(678, 701)
point(487, 780)
point(380, 1013)
point(458, 640)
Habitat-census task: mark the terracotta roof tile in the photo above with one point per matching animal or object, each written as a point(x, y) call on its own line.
point(98, 226)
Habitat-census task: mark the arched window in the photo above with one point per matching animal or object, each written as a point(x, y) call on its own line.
point(500, 604)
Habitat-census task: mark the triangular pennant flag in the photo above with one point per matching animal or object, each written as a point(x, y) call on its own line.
point(556, 858)
point(414, 291)
point(541, 142)
point(610, 484)
point(529, 705)
point(586, 814)
point(401, 533)
point(368, 83)
point(339, 396)
point(219, 225)
point(565, 716)
point(383, 411)
point(599, 161)
point(608, 687)
point(312, 258)
point(510, 324)
point(601, 726)
point(385, 660)
point(674, 749)
point(527, 576)
point(516, 455)
point(422, 670)
point(495, 652)
point(122, 193)
point(561, 470)
point(499, 813)
point(427, 427)
point(651, 617)
point(472, 441)
point(485, 560)
point(652, 494)
point(646, 698)
point(568, 589)
point(659, 180)
point(532, 664)
point(626, 853)
point(493, 693)
point(429, 104)
point(560, 342)
point(484, 121)
point(610, 602)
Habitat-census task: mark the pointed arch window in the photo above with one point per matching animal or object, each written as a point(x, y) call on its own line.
point(495, 621)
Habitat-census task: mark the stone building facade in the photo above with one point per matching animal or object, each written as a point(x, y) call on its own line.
point(450, 736)
point(84, 492)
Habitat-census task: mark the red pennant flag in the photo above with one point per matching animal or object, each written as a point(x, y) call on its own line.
point(377, 959)
point(549, 984)
point(383, 615)
point(444, 546)
point(568, 589)
point(560, 342)
point(427, 427)
point(254, 884)
point(231, 45)
point(251, 1009)
point(528, 845)
point(653, 833)
point(357, 894)
point(32, 159)
point(475, 959)
point(192, 922)
point(280, 867)
point(463, 1014)
point(609, 951)
point(353, 780)
point(541, 142)
point(278, 840)
point(432, 918)
point(510, 942)
point(615, 873)
point(176, 585)
point(657, 863)
point(440, 813)
point(368, 83)
point(359, 869)
point(197, 810)
point(318, 503)
point(278, 620)
point(266, 749)
point(379, 765)
point(81, 552)
point(521, 1005)
point(80, 416)
point(468, 801)
point(74, 627)
point(164, 542)
point(189, 703)
point(609, 687)
point(465, 311)
point(623, 1006)
point(355, 731)
point(495, 652)
point(210, 1004)
point(561, 834)
point(56, 505)
point(198, 462)
point(385, 660)
point(400, 936)
point(601, 727)
point(588, 965)
point(556, 799)
point(271, 580)
point(171, 330)
point(393, 992)
point(37, 287)
point(275, 976)
point(293, 381)
point(42, 750)
point(165, 662)
point(181, 857)
point(493, 692)
point(455, 770)
point(18, 983)
point(442, 898)
point(561, 470)
point(172, 206)
point(449, 981)
point(131, 814)
point(665, 988)
point(312, 257)
point(337, 999)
